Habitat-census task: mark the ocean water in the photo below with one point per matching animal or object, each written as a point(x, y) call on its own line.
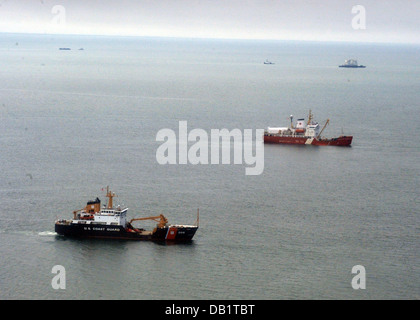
point(74, 121)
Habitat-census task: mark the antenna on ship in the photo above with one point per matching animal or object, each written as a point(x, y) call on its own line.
point(310, 116)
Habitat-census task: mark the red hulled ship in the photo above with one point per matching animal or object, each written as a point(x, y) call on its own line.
point(304, 133)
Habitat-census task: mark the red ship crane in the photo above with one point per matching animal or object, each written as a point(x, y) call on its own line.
point(325, 125)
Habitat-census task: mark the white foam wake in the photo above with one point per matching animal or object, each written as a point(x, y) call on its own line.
point(47, 233)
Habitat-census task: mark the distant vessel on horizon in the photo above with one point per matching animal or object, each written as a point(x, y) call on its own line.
point(268, 62)
point(351, 63)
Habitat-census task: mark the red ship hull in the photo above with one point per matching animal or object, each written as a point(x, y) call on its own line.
point(344, 141)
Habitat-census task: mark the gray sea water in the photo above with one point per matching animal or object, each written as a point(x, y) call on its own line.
point(74, 121)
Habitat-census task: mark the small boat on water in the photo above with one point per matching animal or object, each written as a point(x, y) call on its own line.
point(351, 63)
point(268, 62)
point(304, 134)
point(95, 221)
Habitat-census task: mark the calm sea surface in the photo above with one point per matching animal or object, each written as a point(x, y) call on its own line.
point(74, 121)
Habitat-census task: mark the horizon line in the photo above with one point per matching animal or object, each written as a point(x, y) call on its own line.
point(208, 38)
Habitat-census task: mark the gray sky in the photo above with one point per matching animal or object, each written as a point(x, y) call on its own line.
point(331, 20)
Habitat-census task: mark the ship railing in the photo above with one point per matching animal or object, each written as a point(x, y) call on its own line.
point(63, 221)
point(270, 134)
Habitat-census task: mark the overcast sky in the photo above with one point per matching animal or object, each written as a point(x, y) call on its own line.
point(324, 20)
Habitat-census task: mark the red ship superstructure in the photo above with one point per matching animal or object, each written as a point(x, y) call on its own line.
point(304, 133)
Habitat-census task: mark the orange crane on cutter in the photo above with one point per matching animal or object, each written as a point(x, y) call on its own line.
point(161, 220)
